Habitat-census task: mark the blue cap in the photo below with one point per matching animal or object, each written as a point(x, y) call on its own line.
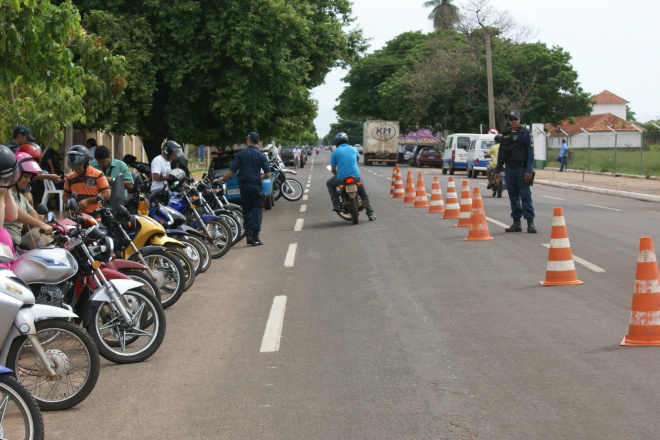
point(22, 129)
point(253, 135)
point(513, 113)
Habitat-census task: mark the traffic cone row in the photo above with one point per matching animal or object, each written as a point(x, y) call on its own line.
point(452, 208)
point(421, 200)
point(560, 270)
point(398, 186)
point(410, 189)
point(466, 206)
point(478, 224)
point(436, 204)
point(394, 171)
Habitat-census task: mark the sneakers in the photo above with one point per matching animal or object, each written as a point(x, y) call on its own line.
point(371, 217)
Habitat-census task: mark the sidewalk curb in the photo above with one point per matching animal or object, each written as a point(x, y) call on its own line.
point(611, 192)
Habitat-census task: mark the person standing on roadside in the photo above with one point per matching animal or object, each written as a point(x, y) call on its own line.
point(21, 136)
point(517, 152)
point(563, 155)
point(401, 154)
point(248, 166)
point(297, 156)
point(91, 145)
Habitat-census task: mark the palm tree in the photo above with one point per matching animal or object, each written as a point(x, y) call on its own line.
point(444, 14)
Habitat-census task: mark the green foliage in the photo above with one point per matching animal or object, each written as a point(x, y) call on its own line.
point(352, 127)
point(628, 160)
point(210, 71)
point(630, 115)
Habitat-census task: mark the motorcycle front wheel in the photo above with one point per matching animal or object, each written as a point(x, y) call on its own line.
point(20, 417)
point(122, 343)
point(142, 276)
point(202, 249)
point(169, 275)
point(76, 362)
point(220, 240)
point(291, 190)
point(186, 263)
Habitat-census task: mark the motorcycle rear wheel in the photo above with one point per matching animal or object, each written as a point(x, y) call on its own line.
point(123, 344)
point(169, 274)
point(20, 417)
point(291, 190)
point(354, 211)
point(76, 359)
point(220, 242)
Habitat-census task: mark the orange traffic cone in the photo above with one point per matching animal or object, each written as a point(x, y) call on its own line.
point(394, 170)
point(452, 208)
point(478, 223)
point(466, 205)
point(410, 189)
point(644, 326)
point(436, 204)
point(398, 186)
point(561, 268)
point(421, 200)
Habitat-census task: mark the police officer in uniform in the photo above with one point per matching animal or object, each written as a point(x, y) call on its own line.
point(517, 152)
point(248, 164)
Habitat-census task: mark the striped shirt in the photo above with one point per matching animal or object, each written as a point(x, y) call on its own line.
point(88, 185)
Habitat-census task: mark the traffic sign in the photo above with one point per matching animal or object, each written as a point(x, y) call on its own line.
point(493, 131)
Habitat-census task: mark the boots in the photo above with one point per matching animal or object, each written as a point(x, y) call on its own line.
point(248, 236)
point(530, 226)
point(255, 239)
point(515, 227)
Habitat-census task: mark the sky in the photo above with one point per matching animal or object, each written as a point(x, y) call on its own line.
point(614, 45)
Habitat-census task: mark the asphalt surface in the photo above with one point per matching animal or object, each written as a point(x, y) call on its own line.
point(397, 329)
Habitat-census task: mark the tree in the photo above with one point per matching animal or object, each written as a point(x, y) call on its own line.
point(210, 71)
point(352, 127)
point(630, 115)
point(444, 14)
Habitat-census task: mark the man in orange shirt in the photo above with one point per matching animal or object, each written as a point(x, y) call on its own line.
point(85, 181)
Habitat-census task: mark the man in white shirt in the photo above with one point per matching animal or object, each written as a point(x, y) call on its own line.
point(296, 156)
point(160, 166)
point(402, 151)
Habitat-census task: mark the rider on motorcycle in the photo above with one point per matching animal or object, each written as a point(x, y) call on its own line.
point(492, 153)
point(343, 163)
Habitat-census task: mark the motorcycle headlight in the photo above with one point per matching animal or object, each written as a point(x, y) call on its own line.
point(104, 250)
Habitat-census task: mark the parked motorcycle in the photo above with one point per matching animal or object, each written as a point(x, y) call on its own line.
point(285, 187)
point(20, 417)
point(55, 360)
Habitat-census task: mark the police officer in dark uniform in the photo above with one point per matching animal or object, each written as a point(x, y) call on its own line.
point(249, 163)
point(517, 152)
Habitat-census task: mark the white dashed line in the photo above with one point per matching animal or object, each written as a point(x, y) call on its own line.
point(582, 261)
point(603, 207)
point(549, 197)
point(299, 225)
point(305, 197)
point(307, 186)
point(496, 222)
point(303, 208)
point(290, 255)
point(273, 333)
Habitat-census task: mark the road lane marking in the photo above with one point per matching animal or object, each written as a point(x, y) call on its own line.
point(582, 261)
point(549, 197)
point(603, 207)
point(303, 208)
point(307, 189)
point(273, 333)
point(290, 255)
point(308, 184)
point(496, 222)
point(299, 225)
point(305, 197)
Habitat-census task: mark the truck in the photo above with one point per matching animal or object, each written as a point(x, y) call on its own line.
point(380, 142)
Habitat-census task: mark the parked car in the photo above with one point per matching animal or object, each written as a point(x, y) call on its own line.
point(359, 148)
point(221, 164)
point(417, 149)
point(454, 156)
point(476, 159)
point(407, 156)
point(430, 157)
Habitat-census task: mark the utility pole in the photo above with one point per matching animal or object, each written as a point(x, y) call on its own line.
point(489, 75)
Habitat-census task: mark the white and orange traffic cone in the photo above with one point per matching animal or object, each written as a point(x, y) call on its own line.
point(561, 267)
point(478, 224)
point(392, 186)
point(644, 328)
point(398, 186)
point(410, 189)
point(421, 199)
point(436, 204)
point(452, 208)
point(466, 206)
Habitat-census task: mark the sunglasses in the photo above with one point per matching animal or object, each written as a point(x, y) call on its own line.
point(513, 119)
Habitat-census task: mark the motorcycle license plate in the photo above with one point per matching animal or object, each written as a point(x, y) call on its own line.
point(351, 188)
point(233, 191)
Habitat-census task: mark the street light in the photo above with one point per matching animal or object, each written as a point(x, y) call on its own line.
point(616, 135)
point(588, 148)
point(641, 160)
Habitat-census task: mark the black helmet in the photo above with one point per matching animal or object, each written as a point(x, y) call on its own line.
point(341, 138)
point(77, 156)
point(498, 138)
point(9, 173)
point(170, 147)
point(176, 177)
point(181, 160)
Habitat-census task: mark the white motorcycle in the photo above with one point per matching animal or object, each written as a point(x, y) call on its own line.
point(55, 360)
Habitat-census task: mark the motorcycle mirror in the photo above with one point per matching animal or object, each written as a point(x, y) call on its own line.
point(72, 204)
point(6, 254)
point(41, 209)
point(49, 217)
point(123, 210)
point(74, 196)
point(99, 198)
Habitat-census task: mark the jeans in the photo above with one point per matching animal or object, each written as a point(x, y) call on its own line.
point(251, 201)
point(563, 162)
point(518, 196)
point(332, 185)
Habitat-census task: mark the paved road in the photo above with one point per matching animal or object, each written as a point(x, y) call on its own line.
point(397, 329)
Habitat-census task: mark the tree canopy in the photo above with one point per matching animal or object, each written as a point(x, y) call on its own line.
point(210, 71)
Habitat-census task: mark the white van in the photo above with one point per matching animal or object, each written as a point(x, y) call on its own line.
point(454, 156)
point(476, 160)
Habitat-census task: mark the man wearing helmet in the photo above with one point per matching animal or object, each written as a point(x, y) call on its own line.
point(28, 169)
point(492, 154)
point(343, 163)
point(160, 166)
point(85, 181)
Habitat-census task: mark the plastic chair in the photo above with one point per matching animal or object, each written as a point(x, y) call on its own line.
point(49, 188)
